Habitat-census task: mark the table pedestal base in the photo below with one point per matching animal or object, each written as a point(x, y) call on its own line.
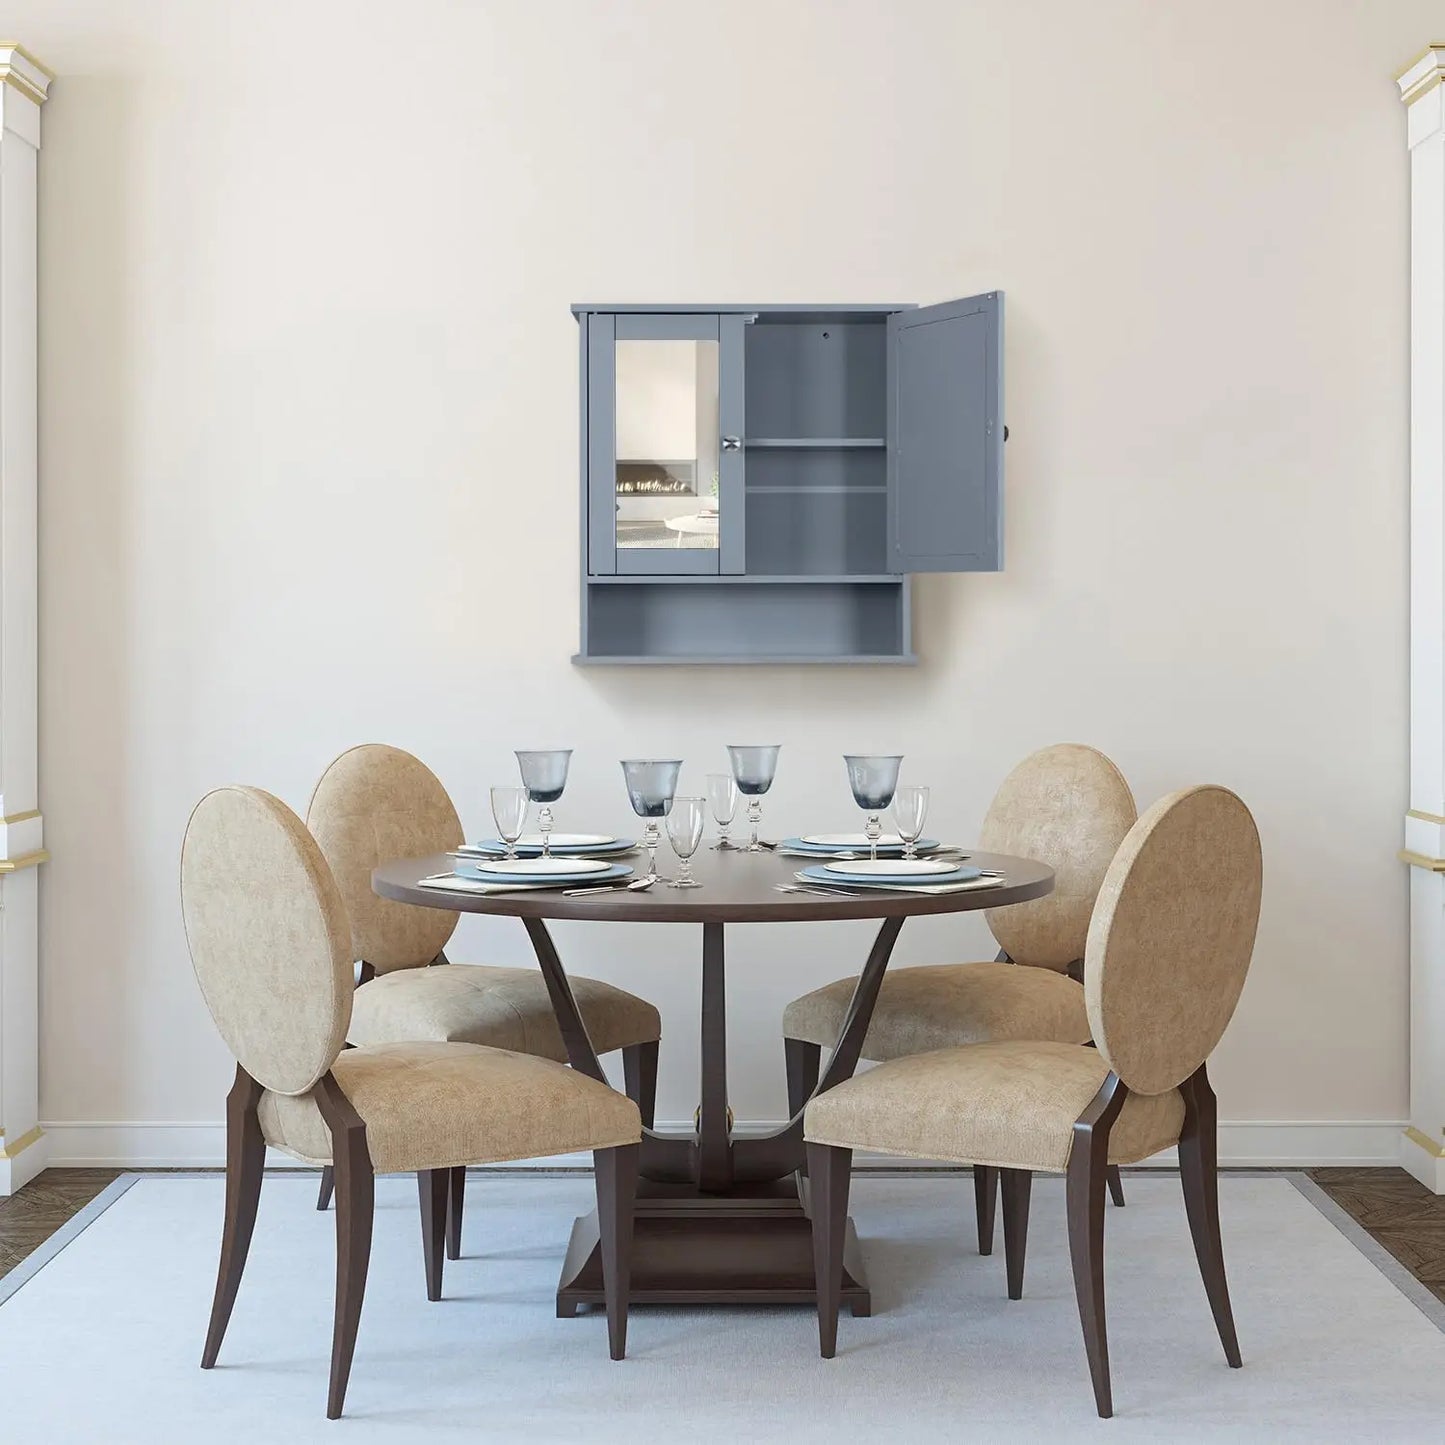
point(754, 1246)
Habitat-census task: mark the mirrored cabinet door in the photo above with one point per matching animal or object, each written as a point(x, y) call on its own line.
point(665, 456)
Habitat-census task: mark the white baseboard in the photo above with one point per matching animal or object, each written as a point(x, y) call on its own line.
point(1243, 1143)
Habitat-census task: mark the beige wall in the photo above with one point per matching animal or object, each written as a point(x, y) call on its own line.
point(309, 451)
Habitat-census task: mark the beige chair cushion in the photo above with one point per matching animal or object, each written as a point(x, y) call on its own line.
point(433, 1106)
point(1172, 936)
point(268, 937)
point(1069, 807)
point(375, 804)
point(938, 1007)
point(506, 1008)
point(1009, 1104)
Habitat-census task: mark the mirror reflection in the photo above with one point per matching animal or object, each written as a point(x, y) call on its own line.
point(667, 444)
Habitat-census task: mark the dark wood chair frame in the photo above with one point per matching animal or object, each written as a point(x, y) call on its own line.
point(639, 1075)
point(830, 1169)
point(616, 1171)
point(802, 1062)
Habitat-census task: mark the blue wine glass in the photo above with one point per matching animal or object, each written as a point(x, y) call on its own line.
point(544, 775)
point(651, 786)
point(753, 770)
point(874, 780)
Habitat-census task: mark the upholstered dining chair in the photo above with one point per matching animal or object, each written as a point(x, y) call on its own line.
point(1169, 946)
point(375, 803)
point(271, 945)
point(1066, 805)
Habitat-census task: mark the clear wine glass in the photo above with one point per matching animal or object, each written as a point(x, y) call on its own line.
point(544, 775)
point(722, 792)
point(684, 831)
point(873, 779)
point(753, 770)
point(509, 813)
point(910, 808)
point(651, 783)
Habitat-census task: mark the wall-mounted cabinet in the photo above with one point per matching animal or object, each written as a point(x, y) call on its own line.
point(759, 482)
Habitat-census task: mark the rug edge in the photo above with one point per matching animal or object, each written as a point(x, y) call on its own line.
point(1357, 1235)
point(66, 1235)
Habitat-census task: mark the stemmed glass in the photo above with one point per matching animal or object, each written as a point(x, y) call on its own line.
point(544, 775)
point(509, 813)
point(753, 769)
point(873, 780)
point(910, 808)
point(651, 783)
point(722, 792)
point(684, 831)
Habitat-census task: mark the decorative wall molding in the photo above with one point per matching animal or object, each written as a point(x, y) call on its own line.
point(1295, 1143)
point(24, 83)
point(1424, 824)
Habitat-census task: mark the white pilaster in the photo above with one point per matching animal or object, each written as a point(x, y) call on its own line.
point(24, 83)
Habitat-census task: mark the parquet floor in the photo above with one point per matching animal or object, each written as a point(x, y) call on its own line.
point(1396, 1209)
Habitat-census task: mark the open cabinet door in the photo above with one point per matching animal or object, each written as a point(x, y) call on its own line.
point(945, 437)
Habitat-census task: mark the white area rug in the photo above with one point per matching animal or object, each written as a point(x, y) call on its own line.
point(100, 1336)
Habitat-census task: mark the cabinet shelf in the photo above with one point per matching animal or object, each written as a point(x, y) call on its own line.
point(702, 659)
point(821, 443)
point(708, 579)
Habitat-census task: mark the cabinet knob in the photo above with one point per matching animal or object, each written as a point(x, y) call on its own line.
point(731, 444)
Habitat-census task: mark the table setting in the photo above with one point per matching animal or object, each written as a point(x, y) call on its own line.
point(838, 864)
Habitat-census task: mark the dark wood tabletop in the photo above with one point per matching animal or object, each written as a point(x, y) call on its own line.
point(737, 887)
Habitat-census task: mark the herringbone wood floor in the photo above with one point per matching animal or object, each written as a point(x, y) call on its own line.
point(1397, 1210)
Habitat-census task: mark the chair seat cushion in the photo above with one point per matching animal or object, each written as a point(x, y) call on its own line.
point(507, 1008)
point(938, 1006)
point(1009, 1104)
point(437, 1105)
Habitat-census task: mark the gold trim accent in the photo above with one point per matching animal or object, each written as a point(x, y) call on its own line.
point(1431, 1146)
point(15, 1150)
point(25, 860)
point(1400, 74)
point(1424, 88)
point(1419, 813)
point(49, 74)
point(35, 813)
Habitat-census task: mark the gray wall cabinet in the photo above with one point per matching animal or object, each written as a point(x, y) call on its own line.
point(760, 482)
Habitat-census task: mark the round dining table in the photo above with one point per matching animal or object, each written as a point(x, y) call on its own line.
point(719, 1220)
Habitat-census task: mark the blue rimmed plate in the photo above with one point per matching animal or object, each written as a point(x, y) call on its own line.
point(831, 873)
point(607, 873)
point(566, 845)
point(886, 849)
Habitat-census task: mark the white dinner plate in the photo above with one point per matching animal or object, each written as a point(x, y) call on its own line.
point(535, 866)
point(851, 840)
point(892, 868)
point(568, 840)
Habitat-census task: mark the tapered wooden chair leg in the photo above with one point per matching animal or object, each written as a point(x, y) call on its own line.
point(456, 1202)
point(328, 1188)
point(1116, 1186)
point(985, 1194)
point(245, 1162)
point(1017, 1185)
point(803, 1061)
point(1199, 1175)
point(1084, 1193)
point(639, 1078)
point(830, 1171)
point(616, 1171)
point(432, 1187)
point(355, 1200)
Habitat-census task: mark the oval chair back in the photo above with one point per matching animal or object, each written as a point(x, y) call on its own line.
point(268, 937)
point(373, 804)
point(1068, 806)
point(1172, 936)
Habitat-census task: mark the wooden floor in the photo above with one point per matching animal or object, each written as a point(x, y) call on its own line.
point(1397, 1210)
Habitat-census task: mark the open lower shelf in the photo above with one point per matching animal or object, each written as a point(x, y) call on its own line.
point(747, 620)
point(828, 443)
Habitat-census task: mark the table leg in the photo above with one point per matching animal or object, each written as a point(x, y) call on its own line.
point(718, 1221)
